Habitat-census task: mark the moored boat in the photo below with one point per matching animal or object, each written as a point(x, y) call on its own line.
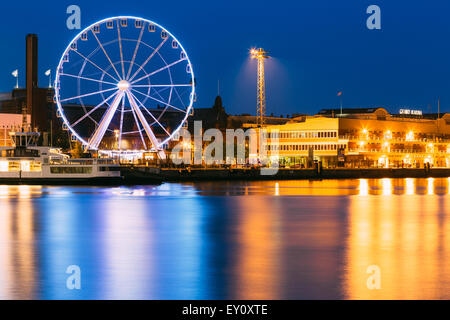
point(27, 163)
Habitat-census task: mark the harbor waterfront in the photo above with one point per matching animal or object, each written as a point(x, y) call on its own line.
point(145, 175)
point(211, 158)
point(229, 240)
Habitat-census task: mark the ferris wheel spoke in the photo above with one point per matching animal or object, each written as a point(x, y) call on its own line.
point(87, 94)
point(106, 54)
point(159, 95)
point(121, 123)
point(121, 51)
point(160, 101)
point(144, 122)
point(85, 78)
point(148, 59)
point(158, 92)
point(99, 133)
point(138, 126)
point(151, 115)
point(93, 109)
point(135, 52)
point(170, 95)
point(179, 97)
point(161, 85)
point(95, 65)
point(159, 70)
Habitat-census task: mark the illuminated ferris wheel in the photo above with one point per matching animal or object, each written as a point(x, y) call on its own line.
point(124, 84)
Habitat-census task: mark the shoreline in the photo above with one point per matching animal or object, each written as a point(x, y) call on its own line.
point(155, 176)
point(141, 174)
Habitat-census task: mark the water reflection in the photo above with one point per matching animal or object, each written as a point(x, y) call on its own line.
point(407, 237)
point(258, 256)
point(120, 250)
point(17, 247)
point(409, 186)
point(237, 240)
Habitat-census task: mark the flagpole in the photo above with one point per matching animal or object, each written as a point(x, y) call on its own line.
point(438, 117)
point(15, 74)
point(340, 99)
point(48, 73)
point(51, 133)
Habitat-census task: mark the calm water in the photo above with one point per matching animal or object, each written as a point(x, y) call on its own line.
point(254, 240)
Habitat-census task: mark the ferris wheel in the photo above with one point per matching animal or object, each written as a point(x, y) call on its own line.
point(124, 84)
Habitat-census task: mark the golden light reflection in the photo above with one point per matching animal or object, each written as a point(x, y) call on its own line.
point(430, 185)
point(305, 187)
point(25, 265)
point(19, 191)
point(363, 187)
point(387, 186)
point(407, 239)
point(4, 191)
point(409, 186)
point(17, 248)
point(6, 278)
point(24, 191)
point(258, 259)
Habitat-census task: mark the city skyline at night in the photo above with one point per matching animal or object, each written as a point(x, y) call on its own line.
point(225, 159)
point(317, 49)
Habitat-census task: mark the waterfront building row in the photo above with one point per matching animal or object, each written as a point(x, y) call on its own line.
point(362, 138)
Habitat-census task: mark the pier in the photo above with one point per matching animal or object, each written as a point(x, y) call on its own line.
point(146, 175)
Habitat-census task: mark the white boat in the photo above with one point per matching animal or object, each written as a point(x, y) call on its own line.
point(27, 163)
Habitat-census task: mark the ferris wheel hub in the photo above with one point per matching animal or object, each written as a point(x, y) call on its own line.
point(123, 85)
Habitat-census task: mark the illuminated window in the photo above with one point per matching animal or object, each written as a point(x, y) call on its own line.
point(410, 136)
point(4, 166)
point(25, 166)
point(71, 170)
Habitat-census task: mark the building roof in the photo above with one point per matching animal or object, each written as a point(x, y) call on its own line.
point(11, 120)
point(4, 96)
point(213, 117)
point(432, 116)
point(349, 110)
point(308, 123)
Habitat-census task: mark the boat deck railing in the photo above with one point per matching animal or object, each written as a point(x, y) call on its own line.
point(84, 162)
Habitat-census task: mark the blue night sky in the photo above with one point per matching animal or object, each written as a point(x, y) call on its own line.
point(318, 49)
